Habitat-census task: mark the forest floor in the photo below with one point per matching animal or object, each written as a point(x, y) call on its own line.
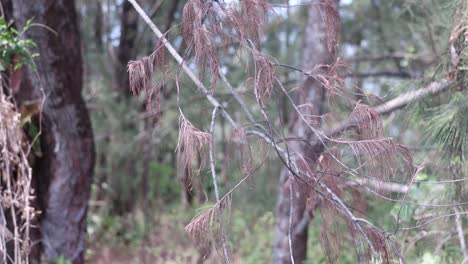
point(165, 242)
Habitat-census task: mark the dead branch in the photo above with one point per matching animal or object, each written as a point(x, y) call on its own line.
point(386, 74)
point(356, 59)
point(403, 100)
point(397, 103)
point(460, 232)
point(215, 184)
point(389, 187)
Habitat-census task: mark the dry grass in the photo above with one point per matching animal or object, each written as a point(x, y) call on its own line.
point(16, 193)
point(191, 144)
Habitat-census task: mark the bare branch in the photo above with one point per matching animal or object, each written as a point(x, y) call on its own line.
point(380, 185)
point(432, 220)
point(461, 234)
point(387, 74)
point(215, 184)
point(403, 100)
point(395, 56)
point(290, 219)
point(399, 102)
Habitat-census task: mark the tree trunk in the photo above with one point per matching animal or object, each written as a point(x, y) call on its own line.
point(98, 25)
point(186, 196)
point(7, 9)
point(128, 34)
point(171, 14)
point(64, 172)
point(317, 51)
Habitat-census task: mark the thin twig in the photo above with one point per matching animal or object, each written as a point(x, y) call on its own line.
point(290, 219)
point(215, 184)
point(461, 233)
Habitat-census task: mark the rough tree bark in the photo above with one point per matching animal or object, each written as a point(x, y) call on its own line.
point(64, 172)
point(316, 52)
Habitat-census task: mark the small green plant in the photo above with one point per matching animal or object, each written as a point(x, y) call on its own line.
point(62, 260)
point(14, 54)
point(14, 50)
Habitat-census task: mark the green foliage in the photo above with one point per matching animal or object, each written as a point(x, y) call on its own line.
point(115, 229)
point(253, 238)
point(14, 50)
point(163, 182)
point(103, 224)
point(62, 260)
point(429, 258)
point(447, 125)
